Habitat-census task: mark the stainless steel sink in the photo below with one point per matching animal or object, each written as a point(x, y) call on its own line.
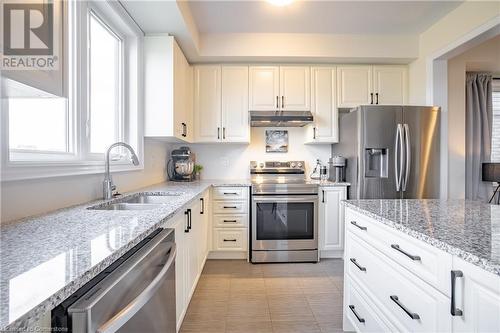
point(127, 206)
point(145, 198)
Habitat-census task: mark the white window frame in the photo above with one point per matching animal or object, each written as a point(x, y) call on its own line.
point(80, 160)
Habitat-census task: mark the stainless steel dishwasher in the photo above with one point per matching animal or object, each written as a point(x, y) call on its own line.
point(136, 295)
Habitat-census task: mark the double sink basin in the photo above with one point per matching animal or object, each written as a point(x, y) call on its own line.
point(139, 201)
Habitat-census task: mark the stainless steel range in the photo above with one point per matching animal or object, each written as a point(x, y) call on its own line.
point(284, 213)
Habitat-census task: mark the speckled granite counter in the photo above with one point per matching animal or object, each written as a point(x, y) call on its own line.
point(467, 229)
point(46, 258)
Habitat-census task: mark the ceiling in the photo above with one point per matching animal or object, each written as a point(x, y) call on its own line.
point(325, 17)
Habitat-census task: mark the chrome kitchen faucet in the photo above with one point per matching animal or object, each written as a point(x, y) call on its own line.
point(107, 186)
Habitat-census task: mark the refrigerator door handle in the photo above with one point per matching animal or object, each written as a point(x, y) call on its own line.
point(408, 155)
point(398, 154)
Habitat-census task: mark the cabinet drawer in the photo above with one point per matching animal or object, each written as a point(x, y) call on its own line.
point(230, 207)
point(408, 302)
point(426, 262)
point(230, 193)
point(364, 317)
point(230, 221)
point(230, 239)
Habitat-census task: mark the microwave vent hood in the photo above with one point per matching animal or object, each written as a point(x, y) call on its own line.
point(280, 118)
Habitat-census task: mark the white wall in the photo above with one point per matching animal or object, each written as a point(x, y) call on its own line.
point(459, 22)
point(230, 161)
point(31, 197)
point(484, 57)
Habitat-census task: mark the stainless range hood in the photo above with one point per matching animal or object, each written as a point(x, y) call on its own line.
point(280, 118)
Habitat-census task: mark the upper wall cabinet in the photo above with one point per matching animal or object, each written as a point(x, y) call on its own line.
point(362, 85)
point(168, 90)
point(390, 85)
point(354, 85)
point(284, 88)
point(323, 106)
point(221, 104)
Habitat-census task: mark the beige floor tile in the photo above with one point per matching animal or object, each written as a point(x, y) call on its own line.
point(206, 310)
point(282, 285)
point(317, 284)
point(325, 307)
point(289, 308)
point(249, 327)
point(209, 284)
point(295, 327)
point(248, 308)
point(203, 326)
point(246, 285)
point(332, 326)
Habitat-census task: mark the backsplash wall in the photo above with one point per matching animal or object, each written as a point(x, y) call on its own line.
point(231, 161)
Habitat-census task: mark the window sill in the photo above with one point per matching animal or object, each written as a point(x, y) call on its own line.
point(24, 171)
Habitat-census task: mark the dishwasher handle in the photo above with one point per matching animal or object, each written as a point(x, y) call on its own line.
point(124, 315)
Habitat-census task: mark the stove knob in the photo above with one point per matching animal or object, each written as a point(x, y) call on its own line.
point(292, 164)
point(299, 165)
point(261, 165)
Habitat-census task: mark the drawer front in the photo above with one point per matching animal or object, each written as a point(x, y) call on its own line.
point(233, 240)
point(364, 317)
point(230, 207)
point(230, 193)
point(428, 263)
point(230, 221)
point(408, 302)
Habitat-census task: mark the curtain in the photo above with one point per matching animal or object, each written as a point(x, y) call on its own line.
point(478, 110)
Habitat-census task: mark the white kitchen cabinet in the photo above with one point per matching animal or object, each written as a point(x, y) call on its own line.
point(264, 88)
point(324, 129)
point(285, 88)
point(478, 297)
point(235, 117)
point(354, 85)
point(331, 226)
point(168, 90)
point(221, 104)
point(295, 89)
point(179, 224)
point(207, 103)
point(390, 85)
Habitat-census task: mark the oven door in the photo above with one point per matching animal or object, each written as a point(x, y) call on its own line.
point(284, 222)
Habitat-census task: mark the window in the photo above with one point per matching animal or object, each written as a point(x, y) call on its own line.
point(66, 132)
point(495, 137)
point(105, 83)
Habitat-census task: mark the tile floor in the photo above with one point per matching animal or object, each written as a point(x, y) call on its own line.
point(234, 296)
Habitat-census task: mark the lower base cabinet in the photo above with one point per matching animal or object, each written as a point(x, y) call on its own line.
point(191, 237)
point(331, 221)
point(387, 291)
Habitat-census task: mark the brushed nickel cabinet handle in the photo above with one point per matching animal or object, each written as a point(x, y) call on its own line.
point(411, 256)
point(396, 300)
point(359, 226)
point(361, 268)
point(454, 311)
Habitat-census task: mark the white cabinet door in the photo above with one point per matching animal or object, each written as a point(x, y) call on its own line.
point(295, 89)
point(204, 214)
point(331, 230)
point(323, 106)
point(235, 121)
point(207, 103)
point(354, 85)
point(478, 296)
point(179, 225)
point(390, 85)
point(192, 249)
point(264, 88)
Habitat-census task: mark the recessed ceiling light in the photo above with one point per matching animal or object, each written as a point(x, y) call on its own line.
point(280, 3)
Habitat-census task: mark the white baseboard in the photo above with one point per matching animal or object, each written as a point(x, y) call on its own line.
point(331, 254)
point(228, 255)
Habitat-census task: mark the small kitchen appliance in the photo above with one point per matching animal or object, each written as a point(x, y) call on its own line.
point(337, 166)
point(180, 167)
point(284, 226)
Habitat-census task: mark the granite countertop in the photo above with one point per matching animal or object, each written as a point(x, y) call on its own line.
point(467, 229)
point(46, 258)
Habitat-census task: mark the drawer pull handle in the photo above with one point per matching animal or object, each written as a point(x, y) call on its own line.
point(229, 240)
point(231, 221)
point(230, 207)
point(454, 310)
point(230, 193)
point(411, 256)
point(359, 226)
point(412, 315)
point(361, 320)
point(361, 268)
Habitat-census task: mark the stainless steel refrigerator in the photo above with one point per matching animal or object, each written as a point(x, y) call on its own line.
point(392, 151)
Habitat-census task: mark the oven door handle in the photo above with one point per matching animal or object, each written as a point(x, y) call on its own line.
point(280, 198)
